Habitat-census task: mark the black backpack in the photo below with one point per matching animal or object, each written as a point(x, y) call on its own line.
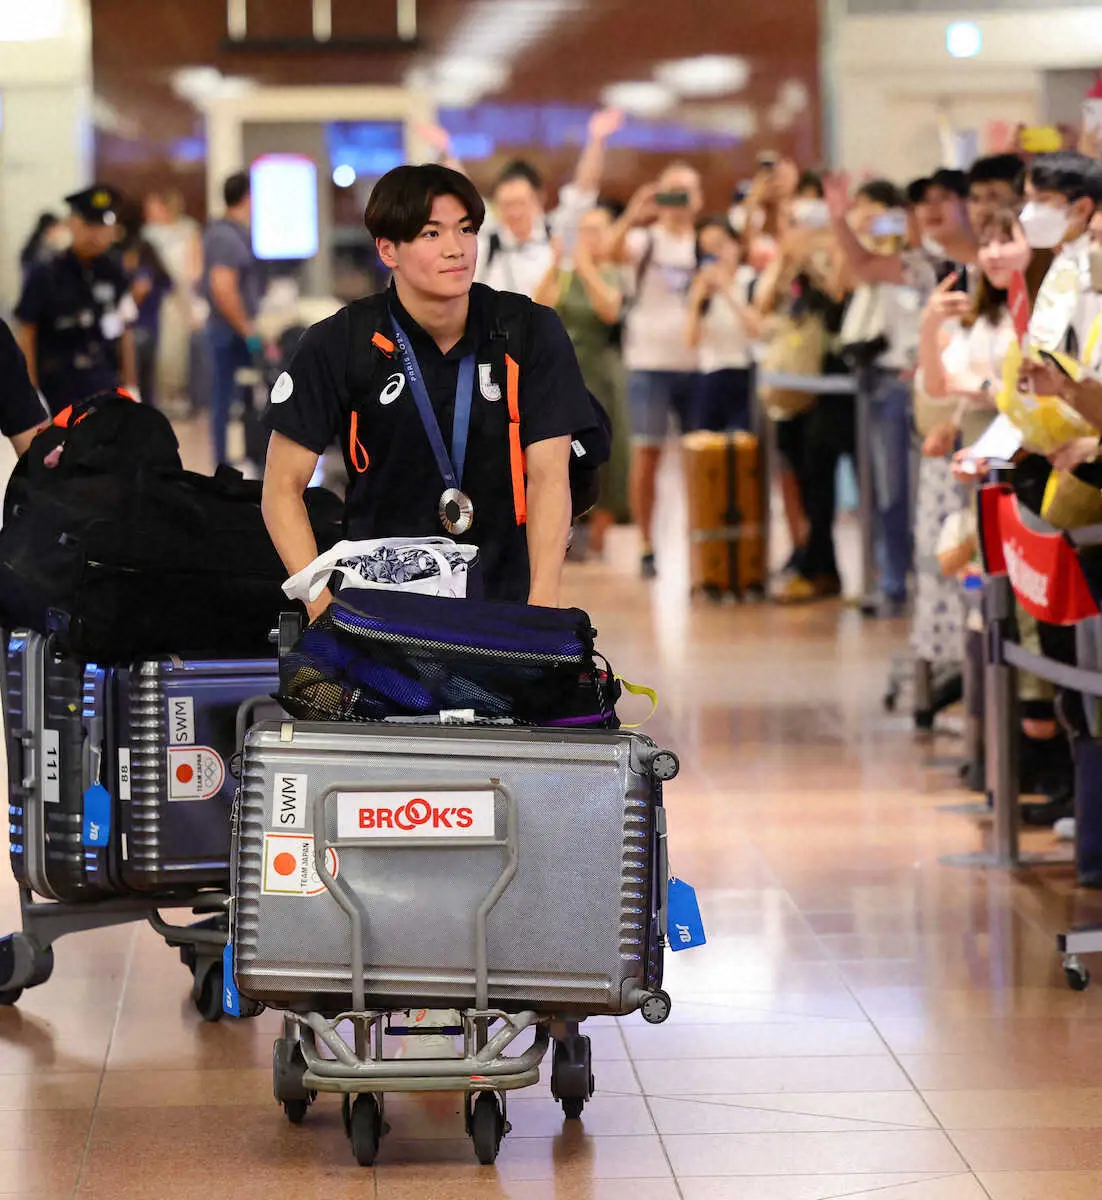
point(510, 320)
point(108, 543)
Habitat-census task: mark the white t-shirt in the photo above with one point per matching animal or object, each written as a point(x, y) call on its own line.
point(976, 354)
point(655, 327)
point(724, 341)
point(521, 266)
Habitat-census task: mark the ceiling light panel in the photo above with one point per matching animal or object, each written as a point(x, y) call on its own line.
point(705, 75)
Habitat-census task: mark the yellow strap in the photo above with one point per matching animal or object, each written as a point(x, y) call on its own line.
point(637, 689)
point(1092, 341)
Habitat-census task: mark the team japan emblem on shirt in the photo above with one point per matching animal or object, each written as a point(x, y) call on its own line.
point(486, 385)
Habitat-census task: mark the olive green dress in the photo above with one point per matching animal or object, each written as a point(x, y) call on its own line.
point(603, 372)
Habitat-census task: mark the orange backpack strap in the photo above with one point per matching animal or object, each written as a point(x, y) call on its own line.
point(516, 450)
point(357, 455)
point(510, 318)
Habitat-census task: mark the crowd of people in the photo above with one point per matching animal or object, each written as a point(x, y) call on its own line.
point(805, 294)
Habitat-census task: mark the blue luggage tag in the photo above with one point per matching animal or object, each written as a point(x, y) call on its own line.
point(685, 928)
point(231, 1000)
point(97, 816)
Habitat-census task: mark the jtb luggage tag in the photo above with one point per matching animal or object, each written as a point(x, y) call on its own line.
point(684, 924)
point(97, 813)
point(231, 1000)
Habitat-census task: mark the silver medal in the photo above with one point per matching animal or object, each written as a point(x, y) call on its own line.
point(456, 511)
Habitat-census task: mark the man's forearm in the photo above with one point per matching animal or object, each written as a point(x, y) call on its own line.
point(293, 537)
point(289, 528)
point(866, 266)
point(548, 530)
point(229, 305)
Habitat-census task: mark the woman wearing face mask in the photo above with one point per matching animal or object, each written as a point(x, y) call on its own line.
point(964, 343)
point(722, 326)
point(584, 288)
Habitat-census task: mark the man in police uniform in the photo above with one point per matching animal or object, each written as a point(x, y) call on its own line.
point(73, 313)
point(415, 469)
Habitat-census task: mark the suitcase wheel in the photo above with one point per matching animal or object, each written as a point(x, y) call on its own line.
point(365, 1128)
point(656, 1008)
point(487, 1123)
point(288, 1068)
point(665, 766)
point(572, 1074)
point(209, 1000)
point(23, 964)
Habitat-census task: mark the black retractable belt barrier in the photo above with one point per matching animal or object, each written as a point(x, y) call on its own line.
point(1027, 558)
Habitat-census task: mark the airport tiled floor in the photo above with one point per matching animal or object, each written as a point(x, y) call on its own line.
point(864, 1021)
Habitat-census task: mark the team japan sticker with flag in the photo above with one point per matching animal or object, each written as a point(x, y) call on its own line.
point(194, 772)
point(289, 866)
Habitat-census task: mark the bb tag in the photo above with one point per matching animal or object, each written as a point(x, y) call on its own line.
point(685, 928)
point(231, 1000)
point(97, 816)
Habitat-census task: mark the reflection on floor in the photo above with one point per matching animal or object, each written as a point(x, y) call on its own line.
point(863, 1021)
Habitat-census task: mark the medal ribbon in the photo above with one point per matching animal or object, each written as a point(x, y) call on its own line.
point(450, 468)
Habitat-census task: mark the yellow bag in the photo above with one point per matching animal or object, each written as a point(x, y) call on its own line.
point(797, 347)
point(1069, 503)
point(1046, 422)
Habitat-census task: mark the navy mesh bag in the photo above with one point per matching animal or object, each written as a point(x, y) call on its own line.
point(376, 654)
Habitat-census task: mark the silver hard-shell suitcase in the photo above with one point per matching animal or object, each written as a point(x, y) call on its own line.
point(552, 836)
point(56, 719)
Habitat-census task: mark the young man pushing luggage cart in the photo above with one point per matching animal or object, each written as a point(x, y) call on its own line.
point(457, 407)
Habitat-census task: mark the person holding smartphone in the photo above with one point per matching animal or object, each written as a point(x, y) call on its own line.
point(656, 238)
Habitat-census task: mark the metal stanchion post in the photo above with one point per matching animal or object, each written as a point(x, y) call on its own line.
point(866, 492)
point(974, 668)
point(1002, 736)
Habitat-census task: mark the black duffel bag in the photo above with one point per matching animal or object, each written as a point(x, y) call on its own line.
point(108, 543)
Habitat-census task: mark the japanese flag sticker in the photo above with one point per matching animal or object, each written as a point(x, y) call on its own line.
point(289, 866)
point(282, 388)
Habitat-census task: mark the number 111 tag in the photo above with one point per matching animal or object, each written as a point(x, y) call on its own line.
point(685, 927)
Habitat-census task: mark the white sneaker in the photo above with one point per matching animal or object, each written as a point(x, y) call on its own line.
point(1064, 829)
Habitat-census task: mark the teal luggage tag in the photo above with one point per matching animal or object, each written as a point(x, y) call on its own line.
point(96, 828)
point(685, 928)
point(231, 1000)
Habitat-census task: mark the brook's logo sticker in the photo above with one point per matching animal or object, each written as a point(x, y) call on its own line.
point(394, 386)
point(486, 384)
point(282, 388)
point(194, 773)
point(435, 815)
point(289, 866)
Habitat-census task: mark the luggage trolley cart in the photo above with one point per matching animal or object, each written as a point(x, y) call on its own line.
point(515, 989)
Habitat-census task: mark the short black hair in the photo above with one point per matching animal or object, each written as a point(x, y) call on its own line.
point(519, 169)
point(236, 188)
point(915, 190)
point(882, 191)
point(401, 202)
point(810, 180)
point(1068, 173)
point(949, 180)
point(998, 168)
